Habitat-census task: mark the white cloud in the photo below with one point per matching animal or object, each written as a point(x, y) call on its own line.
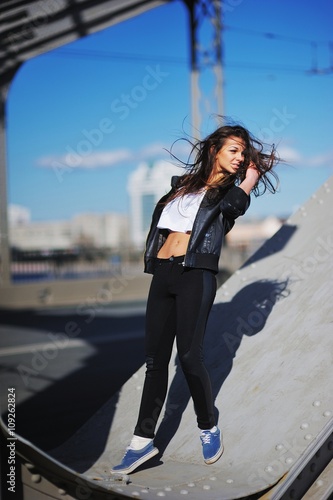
point(102, 159)
point(106, 158)
point(289, 154)
point(321, 160)
point(293, 156)
point(95, 159)
point(157, 151)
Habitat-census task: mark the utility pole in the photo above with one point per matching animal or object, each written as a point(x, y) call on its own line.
point(4, 230)
point(206, 55)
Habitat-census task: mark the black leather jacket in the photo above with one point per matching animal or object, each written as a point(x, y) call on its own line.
point(216, 216)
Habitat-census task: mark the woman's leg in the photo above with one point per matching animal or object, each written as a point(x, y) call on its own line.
point(160, 334)
point(195, 297)
point(194, 292)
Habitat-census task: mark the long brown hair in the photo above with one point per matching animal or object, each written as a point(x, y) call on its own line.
point(201, 161)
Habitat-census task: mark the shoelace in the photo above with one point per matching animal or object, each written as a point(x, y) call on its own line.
point(206, 437)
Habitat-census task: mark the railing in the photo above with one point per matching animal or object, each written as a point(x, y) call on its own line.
point(61, 265)
point(55, 266)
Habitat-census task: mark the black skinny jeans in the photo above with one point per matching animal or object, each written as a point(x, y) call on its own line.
point(178, 305)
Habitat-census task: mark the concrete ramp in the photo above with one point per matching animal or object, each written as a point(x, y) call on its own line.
point(269, 349)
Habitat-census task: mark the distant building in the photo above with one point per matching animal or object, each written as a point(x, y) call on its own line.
point(108, 230)
point(250, 234)
point(42, 236)
point(119, 232)
point(18, 215)
point(146, 185)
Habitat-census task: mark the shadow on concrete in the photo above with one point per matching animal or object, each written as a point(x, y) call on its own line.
point(69, 401)
point(55, 399)
point(274, 245)
point(245, 314)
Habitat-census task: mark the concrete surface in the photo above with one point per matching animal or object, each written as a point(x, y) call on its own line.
point(268, 348)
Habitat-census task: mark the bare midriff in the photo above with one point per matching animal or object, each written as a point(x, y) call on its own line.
point(175, 245)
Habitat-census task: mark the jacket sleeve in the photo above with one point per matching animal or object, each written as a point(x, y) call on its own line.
point(235, 203)
point(174, 181)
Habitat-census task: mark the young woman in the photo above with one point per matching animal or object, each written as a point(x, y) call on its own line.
point(182, 252)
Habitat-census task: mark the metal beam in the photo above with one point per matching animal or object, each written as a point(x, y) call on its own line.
point(4, 240)
point(32, 28)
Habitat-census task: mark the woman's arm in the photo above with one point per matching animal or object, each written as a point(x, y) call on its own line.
point(251, 178)
point(237, 200)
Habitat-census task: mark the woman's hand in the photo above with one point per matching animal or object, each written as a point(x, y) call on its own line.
point(252, 175)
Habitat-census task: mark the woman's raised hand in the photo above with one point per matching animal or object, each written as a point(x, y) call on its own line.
point(251, 178)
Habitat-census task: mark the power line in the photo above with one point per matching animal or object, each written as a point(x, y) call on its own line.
point(312, 44)
point(274, 36)
point(249, 66)
point(103, 55)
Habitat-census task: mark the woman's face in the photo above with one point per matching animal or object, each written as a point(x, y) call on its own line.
point(229, 158)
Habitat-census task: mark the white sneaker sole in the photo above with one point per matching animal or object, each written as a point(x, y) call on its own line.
point(215, 458)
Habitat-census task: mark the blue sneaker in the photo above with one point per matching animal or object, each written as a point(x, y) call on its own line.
point(212, 447)
point(133, 458)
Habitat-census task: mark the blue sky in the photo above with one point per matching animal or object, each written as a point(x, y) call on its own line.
point(82, 117)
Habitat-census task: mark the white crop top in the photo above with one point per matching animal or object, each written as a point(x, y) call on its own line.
point(179, 214)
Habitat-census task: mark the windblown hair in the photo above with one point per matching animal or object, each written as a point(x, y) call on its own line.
point(201, 161)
